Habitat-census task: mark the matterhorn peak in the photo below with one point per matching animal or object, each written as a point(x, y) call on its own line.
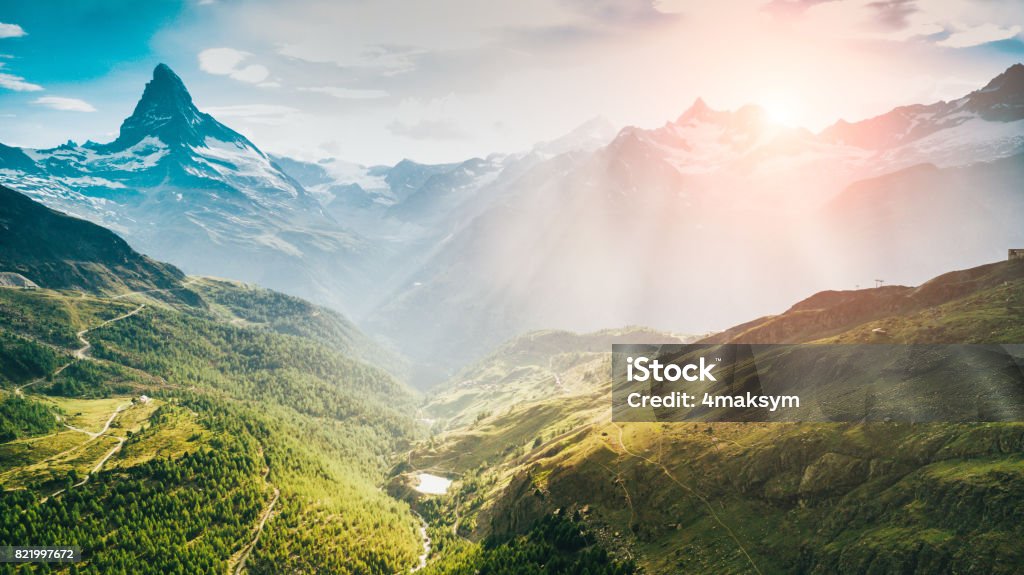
point(166, 86)
point(166, 112)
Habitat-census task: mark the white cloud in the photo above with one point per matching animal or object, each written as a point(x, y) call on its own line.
point(978, 35)
point(430, 119)
point(246, 110)
point(547, 63)
point(17, 83)
point(228, 62)
point(11, 31)
point(347, 93)
point(64, 104)
point(221, 61)
point(253, 74)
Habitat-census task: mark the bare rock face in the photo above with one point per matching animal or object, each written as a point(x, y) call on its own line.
point(16, 280)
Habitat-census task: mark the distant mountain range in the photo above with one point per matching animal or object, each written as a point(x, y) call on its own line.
point(722, 215)
point(596, 229)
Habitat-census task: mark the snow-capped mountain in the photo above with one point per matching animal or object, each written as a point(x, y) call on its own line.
point(586, 137)
point(1001, 100)
point(619, 236)
point(183, 187)
point(703, 143)
point(413, 192)
point(167, 140)
point(983, 125)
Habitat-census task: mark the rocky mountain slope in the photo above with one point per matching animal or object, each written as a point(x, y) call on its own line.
point(595, 229)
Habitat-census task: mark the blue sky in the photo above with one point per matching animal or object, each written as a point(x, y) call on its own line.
point(81, 41)
point(376, 81)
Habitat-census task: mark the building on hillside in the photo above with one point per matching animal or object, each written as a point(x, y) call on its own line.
point(1016, 254)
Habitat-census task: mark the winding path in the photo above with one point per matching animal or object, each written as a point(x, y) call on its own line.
point(96, 469)
point(18, 389)
point(244, 553)
point(86, 346)
point(82, 352)
point(92, 437)
point(236, 563)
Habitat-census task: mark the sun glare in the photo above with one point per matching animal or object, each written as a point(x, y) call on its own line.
point(781, 110)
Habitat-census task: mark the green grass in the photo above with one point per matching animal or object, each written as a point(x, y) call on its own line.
point(53, 317)
point(26, 452)
point(88, 414)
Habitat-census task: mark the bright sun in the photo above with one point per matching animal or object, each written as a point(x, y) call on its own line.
point(781, 110)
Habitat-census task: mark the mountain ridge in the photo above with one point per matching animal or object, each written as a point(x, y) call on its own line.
point(1000, 100)
point(60, 252)
point(166, 110)
point(530, 236)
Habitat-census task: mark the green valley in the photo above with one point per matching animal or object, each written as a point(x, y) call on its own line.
point(738, 497)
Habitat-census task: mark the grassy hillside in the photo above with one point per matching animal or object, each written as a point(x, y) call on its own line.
point(253, 306)
point(977, 305)
point(751, 498)
point(262, 445)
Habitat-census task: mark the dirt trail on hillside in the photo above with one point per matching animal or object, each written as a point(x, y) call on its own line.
point(236, 563)
point(80, 353)
point(244, 553)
